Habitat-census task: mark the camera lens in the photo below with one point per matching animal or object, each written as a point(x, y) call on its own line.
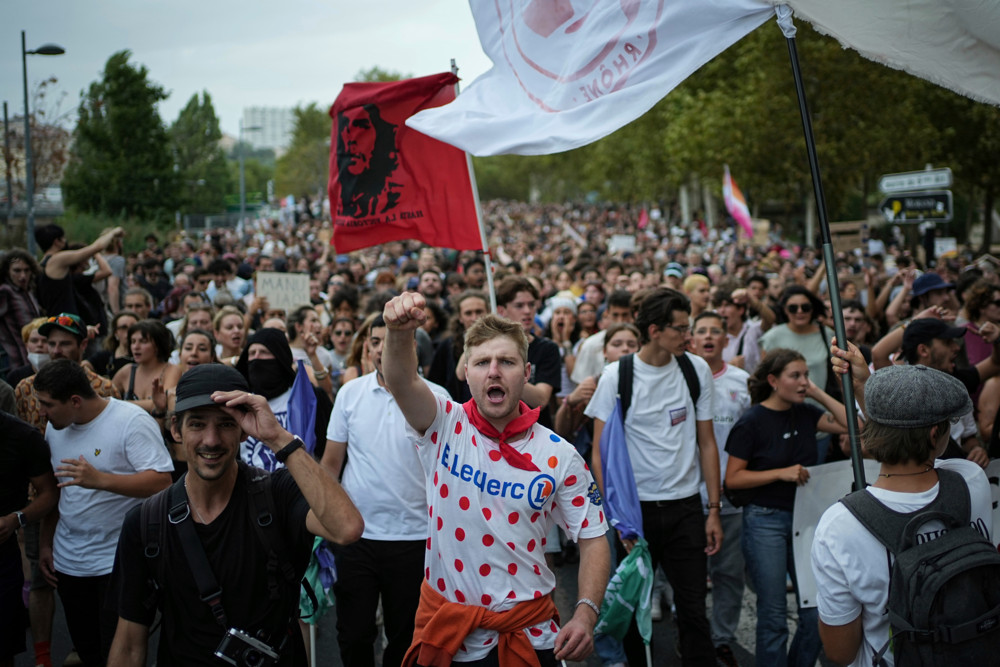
point(252, 658)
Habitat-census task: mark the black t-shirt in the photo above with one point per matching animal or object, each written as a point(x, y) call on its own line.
point(23, 454)
point(442, 371)
point(969, 377)
point(546, 366)
point(190, 633)
point(770, 439)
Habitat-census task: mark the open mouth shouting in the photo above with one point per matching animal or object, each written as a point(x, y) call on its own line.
point(495, 394)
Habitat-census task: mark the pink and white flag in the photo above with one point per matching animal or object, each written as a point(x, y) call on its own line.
point(569, 72)
point(736, 204)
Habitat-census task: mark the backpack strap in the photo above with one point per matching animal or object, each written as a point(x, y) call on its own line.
point(690, 377)
point(626, 370)
point(152, 533)
point(743, 335)
point(896, 530)
point(263, 511)
point(179, 515)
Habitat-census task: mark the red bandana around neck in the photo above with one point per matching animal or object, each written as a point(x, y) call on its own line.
point(525, 420)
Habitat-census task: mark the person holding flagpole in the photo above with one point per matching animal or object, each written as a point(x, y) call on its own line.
point(496, 482)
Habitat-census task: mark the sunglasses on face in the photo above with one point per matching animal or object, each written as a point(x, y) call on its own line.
point(794, 308)
point(342, 333)
point(61, 320)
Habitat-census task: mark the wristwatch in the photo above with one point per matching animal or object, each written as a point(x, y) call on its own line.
point(22, 521)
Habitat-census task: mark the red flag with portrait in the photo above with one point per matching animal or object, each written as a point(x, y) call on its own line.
point(389, 182)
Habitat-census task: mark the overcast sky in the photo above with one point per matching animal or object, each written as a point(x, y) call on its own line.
point(243, 53)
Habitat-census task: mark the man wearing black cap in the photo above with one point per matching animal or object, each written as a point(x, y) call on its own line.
point(932, 342)
point(908, 410)
point(213, 413)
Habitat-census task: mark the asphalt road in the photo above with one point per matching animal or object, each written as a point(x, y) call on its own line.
point(664, 632)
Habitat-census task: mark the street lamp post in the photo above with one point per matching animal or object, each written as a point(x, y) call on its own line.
point(243, 183)
point(29, 181)
point(6, 161)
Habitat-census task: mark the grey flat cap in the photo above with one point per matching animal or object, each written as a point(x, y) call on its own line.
point(914, 397)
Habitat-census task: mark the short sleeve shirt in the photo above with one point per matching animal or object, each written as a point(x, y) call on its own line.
point(489, 520)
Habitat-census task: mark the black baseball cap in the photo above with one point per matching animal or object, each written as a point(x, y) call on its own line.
point(197, 385)
point(926, 329)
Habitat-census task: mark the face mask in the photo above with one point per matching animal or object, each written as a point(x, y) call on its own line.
point(267, 377)
point(38, 359)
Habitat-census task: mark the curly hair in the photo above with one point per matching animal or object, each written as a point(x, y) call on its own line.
point(978, 297)
point(22, 255)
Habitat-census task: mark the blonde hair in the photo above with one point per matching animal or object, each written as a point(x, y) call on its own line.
point(694, 280)
point(33, 325)
point(491, 326)
point(225, 312)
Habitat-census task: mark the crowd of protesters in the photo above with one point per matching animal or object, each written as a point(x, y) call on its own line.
point(588, 285)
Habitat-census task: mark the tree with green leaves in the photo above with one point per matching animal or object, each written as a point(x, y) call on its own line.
point(120, 163)
point(304, 169)
point(201, 162)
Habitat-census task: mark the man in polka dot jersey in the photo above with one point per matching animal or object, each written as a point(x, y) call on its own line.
point(496, 482)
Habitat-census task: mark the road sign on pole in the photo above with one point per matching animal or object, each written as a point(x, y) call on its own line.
point(930, 179)
point(918, 206)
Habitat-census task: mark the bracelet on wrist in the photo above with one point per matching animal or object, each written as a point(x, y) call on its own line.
point(590, 603)
point(713, 506)
point(282, 454)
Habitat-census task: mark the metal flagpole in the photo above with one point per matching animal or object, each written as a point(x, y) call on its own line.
point(487, 255)
point(784, 13)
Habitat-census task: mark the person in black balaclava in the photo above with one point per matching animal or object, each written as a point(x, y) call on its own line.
point(267, 365)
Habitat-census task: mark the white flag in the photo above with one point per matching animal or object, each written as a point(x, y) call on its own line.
point(953, 43)
point(568, 72)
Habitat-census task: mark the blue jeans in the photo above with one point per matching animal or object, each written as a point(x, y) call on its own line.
point(767, 549)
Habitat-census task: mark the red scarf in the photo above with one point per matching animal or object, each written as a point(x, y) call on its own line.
point(522, 422)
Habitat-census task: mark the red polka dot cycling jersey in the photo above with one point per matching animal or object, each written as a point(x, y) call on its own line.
point(488, 519)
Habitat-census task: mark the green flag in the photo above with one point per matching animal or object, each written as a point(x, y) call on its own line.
point(629, 593)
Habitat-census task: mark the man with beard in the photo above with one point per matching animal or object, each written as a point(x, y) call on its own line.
point(383, 478)
point(366, 158)
point(215, 511)
point(496, 481)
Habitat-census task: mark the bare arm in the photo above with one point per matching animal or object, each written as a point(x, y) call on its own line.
point(399, 361)
point(834, 420)
point(814, 283)
point(333, 457)
point(103, 268)
point(58, 265)
point(886, 345)
point(575, 640)
point(130, 645)
point(141, 484)
point(331, 515)
point(990, 366)
point(841, 642)
point(989, 403)
point(709, 454)
point(738, 477)
point(853, 361)
point(537, 395)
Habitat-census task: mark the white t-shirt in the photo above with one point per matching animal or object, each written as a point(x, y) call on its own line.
point(732, 399)
point(489, 519)
point(123, 439)
point(321, 352)
point(660, 425)
point(851, 566)
point(383, 475)
point(589, 358)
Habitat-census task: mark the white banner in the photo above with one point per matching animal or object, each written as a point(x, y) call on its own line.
point(284, 291)
point(568, 72)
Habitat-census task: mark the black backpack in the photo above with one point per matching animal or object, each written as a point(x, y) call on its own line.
point(626, 371)
point(944, 594)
